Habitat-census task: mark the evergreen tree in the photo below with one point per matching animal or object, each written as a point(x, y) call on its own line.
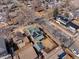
point(55, 12)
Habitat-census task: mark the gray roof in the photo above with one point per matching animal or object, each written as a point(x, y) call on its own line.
point(76, 13)
point(3, 50)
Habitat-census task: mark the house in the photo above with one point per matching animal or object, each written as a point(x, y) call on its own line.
point(72, 26)
point(36, 33)
point(20, 37)
point(62, 19)
point(67, 22)
point(3, 50)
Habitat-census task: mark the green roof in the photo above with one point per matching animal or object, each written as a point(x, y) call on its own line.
point(36, 33)
point(38, 46)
